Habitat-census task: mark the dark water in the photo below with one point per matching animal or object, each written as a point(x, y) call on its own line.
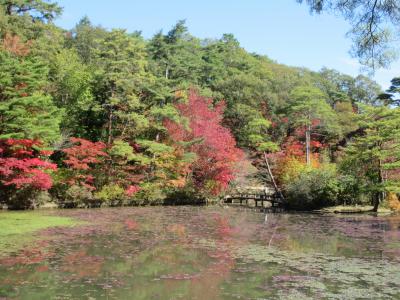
point(208, 253)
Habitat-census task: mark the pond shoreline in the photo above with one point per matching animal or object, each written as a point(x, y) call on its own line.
point(340, 209)
point(354, 209)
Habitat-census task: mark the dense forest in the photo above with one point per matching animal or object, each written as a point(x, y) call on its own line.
point(92, 117)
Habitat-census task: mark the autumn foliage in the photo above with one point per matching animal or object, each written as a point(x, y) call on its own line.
point(213, 144)
point(393, 201)
point(83, 153)
point(22, 165)
point(14, 45)
point(24, 171)
point(290, 161)
point(81, 157)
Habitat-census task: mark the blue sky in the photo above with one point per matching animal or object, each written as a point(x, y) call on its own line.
point(282, 29)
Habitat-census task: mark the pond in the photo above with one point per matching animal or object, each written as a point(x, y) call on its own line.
point(207, 253)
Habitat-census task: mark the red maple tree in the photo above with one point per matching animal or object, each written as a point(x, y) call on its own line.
point(81, 158)
point(216, 150)
point(22, 165)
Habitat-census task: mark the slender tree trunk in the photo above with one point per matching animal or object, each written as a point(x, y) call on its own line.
point(157, 140)
point(166, 72)
point(109, 164)
point(277, 190)
point(376, 202)
point(110, 117)
point(152, 166)
point(124, 129)
point(382, 180)
point(308, 146)
point(9, 9)
point(380, 196)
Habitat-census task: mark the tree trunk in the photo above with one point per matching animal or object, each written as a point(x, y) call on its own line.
point(166, 72)
point(382, 180)
point(380, 196)
point(157, 140)
point(110, 116)
point(308, 140)
point(376, 201)
point(277, 190)
point(9, 9)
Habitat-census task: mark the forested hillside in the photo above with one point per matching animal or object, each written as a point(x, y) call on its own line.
point(91, 117)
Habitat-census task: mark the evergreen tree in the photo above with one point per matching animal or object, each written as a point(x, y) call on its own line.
point(26, 111)
point(374, 155)
point(121, 60)
point(73, 91)
point(27, 18)
point(310, 111)
point(391, 96)
point(176, 56)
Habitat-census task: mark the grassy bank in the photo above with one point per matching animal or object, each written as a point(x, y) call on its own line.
point(353, 209)
point(18, 228)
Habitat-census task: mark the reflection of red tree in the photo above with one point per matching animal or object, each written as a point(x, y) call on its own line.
point(73, 262)
point(178, 229)
point(224, 229)
point(131, 224)
point(42, 268)
point(209, 282)
point(392, 236)
point(28, 257)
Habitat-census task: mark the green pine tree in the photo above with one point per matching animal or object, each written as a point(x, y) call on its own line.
point(26, 110)
point(374, 155)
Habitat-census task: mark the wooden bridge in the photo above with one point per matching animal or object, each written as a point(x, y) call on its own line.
point(275, 199)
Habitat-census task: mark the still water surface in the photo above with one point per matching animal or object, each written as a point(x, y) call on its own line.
point(208, 253)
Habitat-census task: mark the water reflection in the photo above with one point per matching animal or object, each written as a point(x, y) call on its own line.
point(208, 253)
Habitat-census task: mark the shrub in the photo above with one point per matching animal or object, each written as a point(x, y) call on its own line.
point(24, 198)
point(76, 196)
point(314, 188)
point(149, 193)
point(393, 201)
point(187, 195)
point(349, 190)
point(17, 199)
point(112, 195)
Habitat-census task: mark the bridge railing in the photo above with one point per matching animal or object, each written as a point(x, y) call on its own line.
point(262, 197)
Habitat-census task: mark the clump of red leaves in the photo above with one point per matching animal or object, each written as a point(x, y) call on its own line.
point(131, 190)
point(83, 153)
point(81, 157)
